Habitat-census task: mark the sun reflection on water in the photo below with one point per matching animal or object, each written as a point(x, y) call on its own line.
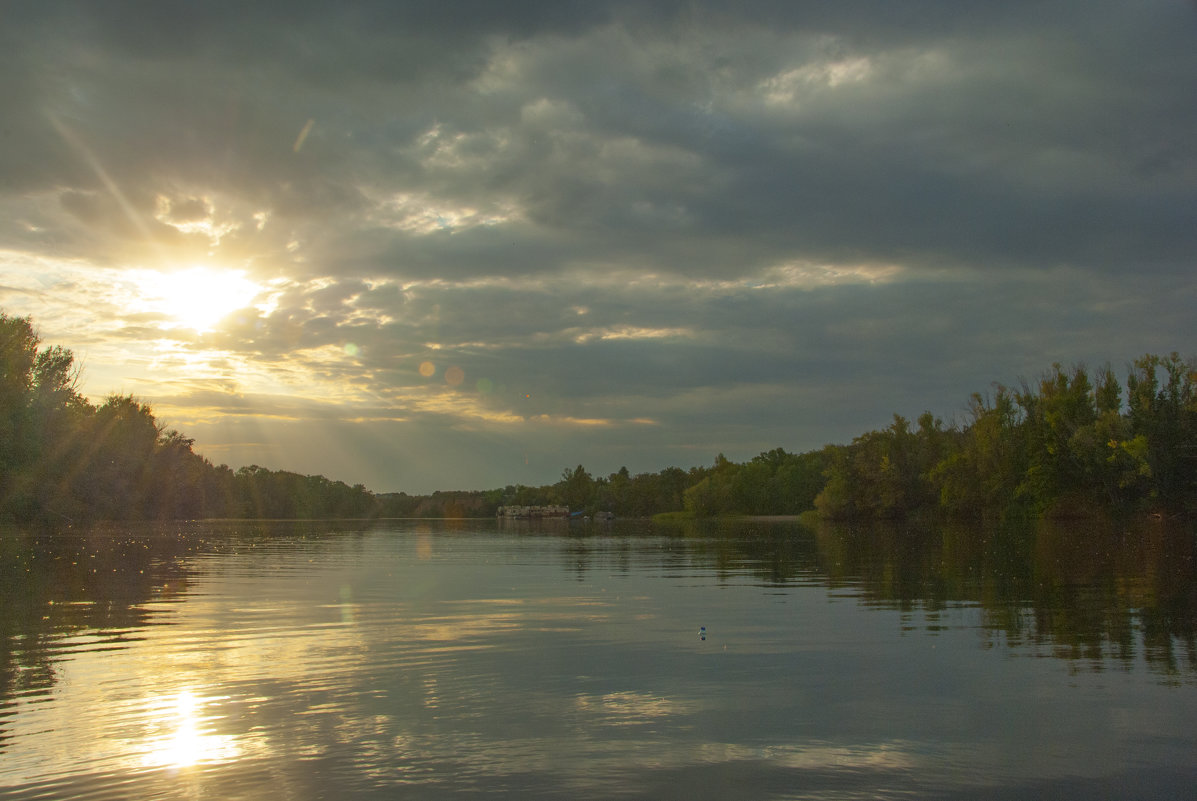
point(179, 739)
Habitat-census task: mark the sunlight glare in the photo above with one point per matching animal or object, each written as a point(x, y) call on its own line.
point(183, 742)
point(200, 297)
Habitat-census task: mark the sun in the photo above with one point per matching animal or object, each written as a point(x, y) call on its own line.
point(199, 297)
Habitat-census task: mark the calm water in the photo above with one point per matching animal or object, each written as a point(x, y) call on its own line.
point(749, 660)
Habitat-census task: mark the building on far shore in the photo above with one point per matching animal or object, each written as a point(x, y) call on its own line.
point(533, 511)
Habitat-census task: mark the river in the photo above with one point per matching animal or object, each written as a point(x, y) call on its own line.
point(745, 659)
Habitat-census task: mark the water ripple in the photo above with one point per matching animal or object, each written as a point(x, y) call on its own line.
point(378, 664)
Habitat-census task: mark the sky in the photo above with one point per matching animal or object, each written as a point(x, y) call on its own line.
point(463, 245)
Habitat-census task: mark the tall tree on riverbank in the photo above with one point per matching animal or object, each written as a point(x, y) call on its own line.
point(61, 458)
point(1066, 444)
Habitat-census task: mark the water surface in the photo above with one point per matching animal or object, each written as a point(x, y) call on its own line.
point(746, 659)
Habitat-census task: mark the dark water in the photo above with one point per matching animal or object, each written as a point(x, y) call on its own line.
point(740, 660)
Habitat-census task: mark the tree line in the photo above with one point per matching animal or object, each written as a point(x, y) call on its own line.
point(1072, 442)
point(64, 459)
point(773, 483)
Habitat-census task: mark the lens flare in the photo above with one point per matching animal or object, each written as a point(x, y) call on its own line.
point(427, 369)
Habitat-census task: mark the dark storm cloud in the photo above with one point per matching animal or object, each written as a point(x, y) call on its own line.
point(1046, 131)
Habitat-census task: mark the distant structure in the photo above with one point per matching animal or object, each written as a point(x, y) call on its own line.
point(533, 511)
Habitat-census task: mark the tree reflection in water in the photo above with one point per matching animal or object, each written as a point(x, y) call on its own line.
point(1094, 593)
point(1090, 592)
point(466, 656)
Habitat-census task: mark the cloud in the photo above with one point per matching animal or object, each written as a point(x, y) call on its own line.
point(773, 225)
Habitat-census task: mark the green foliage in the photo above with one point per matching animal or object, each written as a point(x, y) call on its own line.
point(774, 483)
point(279, 494)
point(63, 459)
point(1163, 410)
point(576, 489)
point(985, 467)
point(710, 496)
point(1064, 445)
point(885, 474)
point(1067, 442)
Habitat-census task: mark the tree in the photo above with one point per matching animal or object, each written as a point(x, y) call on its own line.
point(797, 483)
point(1164, 413)
point(982, 473)
point(576, 488)
point(18, 352)
point(710, 496)
point(117, 478)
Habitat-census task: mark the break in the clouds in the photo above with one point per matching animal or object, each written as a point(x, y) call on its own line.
point(450, 245)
